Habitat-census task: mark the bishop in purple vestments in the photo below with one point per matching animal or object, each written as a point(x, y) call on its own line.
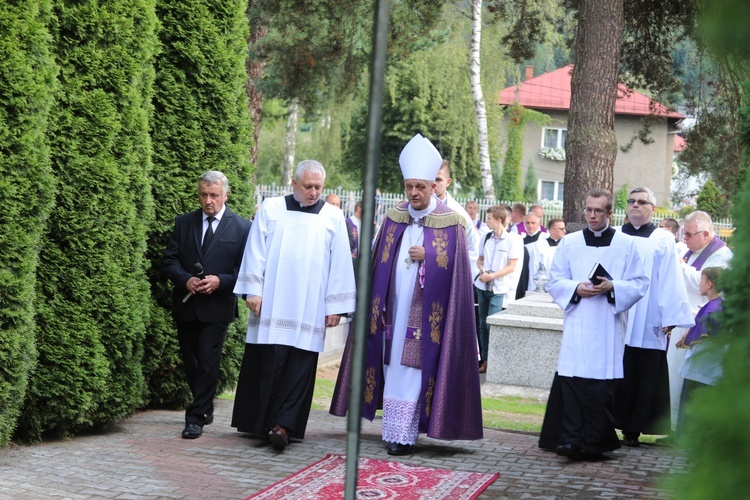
point(421, 344)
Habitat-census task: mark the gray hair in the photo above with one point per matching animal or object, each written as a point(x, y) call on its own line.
point(537, 209)
point(312, 166)
point(649, 194)
point(214, 177)
point(702, 221)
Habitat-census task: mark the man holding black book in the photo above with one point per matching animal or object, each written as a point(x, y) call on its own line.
point(595, 277)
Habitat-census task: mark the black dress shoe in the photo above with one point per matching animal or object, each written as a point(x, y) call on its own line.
point(400, 449)
point(209, 419)
point(279, 438)
point(568, 450)
point(192, 431)
point(631, 439)
point(631, 442)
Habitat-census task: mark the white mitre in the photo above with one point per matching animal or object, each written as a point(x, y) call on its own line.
point(420, 159)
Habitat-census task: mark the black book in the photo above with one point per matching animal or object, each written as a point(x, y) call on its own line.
point(598, 270)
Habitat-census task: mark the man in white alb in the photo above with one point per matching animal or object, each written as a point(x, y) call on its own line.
point(298, 278)
point(580, 409)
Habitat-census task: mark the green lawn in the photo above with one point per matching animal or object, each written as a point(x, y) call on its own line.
point(503, 412)
point(508, 412)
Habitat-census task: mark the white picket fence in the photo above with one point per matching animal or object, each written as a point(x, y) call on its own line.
point(386, 201)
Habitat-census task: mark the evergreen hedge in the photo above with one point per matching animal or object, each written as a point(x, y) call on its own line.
point(200, 123)
point(27, 77)
point(718, 437)
point(92, 290)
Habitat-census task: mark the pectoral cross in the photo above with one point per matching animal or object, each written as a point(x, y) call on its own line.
point(408, 262)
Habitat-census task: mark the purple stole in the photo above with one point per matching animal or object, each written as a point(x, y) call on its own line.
point(715, 244)
point(705, 324)
point(355, 234)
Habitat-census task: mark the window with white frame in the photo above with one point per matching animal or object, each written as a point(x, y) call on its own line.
point(551, 190)
point(553, 137)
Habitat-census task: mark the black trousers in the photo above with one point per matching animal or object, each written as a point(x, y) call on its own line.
point(201, 345)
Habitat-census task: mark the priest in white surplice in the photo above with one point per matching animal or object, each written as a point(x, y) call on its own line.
point(642, 396)
point(705, 249)
point(298, 278)
point(580, 414)
point(540, 252)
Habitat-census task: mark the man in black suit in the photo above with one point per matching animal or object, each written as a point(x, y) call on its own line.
point(203, 303)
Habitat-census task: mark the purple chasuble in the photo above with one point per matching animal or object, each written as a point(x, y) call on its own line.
point(706, 323)
point(441, 337)
point(715, 244)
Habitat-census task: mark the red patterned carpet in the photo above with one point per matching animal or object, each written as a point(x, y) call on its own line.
point(377, 479)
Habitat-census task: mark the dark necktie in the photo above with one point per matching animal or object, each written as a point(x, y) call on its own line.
point(209, 234)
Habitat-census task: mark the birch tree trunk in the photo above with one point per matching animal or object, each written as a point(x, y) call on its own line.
point(291, 140)
point(591, 144)
point(479, 106)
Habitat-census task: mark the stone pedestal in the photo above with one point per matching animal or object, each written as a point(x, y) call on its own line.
point(525, 342)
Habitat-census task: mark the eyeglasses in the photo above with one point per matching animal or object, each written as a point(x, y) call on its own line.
point(693, 235)
point(633, 201)
point(597, 211)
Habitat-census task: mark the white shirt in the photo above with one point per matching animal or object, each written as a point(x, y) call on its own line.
point(496, 253)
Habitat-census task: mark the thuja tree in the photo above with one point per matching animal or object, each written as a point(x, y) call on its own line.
point(92, 292)
point(27, 74)
point(510, 180)
point(200, 123)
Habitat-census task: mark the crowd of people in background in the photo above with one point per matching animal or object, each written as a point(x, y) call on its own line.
point(639, 302)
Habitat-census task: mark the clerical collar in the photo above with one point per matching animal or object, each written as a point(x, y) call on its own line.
point(418, 214)
point(598, 234)
point(295, 206)
point(552, 243)
point(601, 238)
point(643, 231)
point(531, 238)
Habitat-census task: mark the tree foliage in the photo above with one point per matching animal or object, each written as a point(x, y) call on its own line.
point(200, 123)
point(27, 73)
point(510, 180)
point(718, 439)
point(530, 184)
point(92, 295)
point(710, 199)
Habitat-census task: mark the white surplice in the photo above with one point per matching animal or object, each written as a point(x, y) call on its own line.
point(539, 253)
point(472, 234)
point(666, 300)
point(300, 263)
point(593, 340)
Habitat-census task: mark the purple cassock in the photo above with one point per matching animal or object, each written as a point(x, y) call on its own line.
point(440, 338)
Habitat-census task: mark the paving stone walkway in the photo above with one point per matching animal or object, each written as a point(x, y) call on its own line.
point(144, 457)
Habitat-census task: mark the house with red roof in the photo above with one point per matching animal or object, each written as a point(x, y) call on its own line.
point(648, 165)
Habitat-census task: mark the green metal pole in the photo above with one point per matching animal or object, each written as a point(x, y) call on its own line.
point(364, 279)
